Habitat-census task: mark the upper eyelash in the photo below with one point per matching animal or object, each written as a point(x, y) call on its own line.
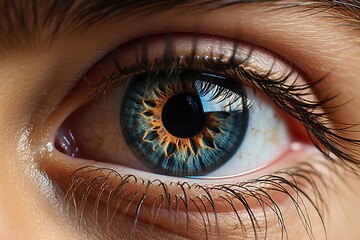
point(314, 115)
point(222, 94)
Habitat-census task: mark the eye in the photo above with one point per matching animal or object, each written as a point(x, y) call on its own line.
point(184, 107)
point(181, 127)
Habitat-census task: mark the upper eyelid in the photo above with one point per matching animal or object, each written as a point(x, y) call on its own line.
point(41, 23)
point(226, 56)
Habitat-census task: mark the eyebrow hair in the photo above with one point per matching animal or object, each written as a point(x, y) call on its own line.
point(27, 23)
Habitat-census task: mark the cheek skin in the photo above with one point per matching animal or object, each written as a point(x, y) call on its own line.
point(21, 204)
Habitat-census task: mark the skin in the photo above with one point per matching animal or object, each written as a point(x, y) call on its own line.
point(35, 83)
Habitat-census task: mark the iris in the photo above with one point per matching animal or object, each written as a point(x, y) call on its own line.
point(184, 123)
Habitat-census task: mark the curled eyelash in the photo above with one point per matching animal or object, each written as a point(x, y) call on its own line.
point(221, 94)
point(300, 184)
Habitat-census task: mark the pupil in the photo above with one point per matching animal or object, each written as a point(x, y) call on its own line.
point(183, 115)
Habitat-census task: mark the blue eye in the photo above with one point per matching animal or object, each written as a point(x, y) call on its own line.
point(199, 114)
point(185, 123)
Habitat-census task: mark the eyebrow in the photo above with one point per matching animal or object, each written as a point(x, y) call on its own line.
point(27, 23)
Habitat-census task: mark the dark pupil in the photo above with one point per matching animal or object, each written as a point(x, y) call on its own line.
point(183, 115)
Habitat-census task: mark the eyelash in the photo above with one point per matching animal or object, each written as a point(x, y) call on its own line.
point(290, 97)
point(288, 182)
point(313, 114)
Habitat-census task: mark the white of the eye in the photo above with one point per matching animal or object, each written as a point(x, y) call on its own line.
point(267, 138)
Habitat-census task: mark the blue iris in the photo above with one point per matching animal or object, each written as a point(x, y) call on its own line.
point(184, 123)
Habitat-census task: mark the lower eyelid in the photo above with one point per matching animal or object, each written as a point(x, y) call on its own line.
point(98, 185)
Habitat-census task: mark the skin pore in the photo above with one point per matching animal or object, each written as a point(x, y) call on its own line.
point(42, 83)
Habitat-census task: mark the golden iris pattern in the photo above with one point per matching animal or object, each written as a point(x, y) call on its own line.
point(174, 125)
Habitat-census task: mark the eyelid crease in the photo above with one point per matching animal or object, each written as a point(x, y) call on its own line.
point(172, 51)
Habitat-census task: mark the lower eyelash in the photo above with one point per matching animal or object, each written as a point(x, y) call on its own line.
point(92, 181)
